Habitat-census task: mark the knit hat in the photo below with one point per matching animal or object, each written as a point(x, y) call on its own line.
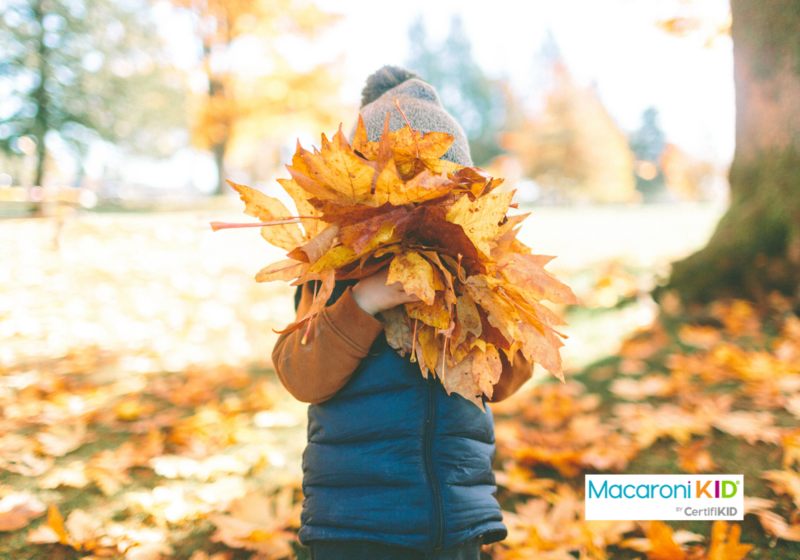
point(420, 103)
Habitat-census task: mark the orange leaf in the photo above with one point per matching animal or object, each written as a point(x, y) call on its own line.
point(663, 547)
point(724, 544)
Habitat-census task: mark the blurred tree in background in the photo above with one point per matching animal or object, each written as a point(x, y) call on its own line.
point(648, 144)
point(572, 147)
point(478, 103)
point(84, 70)
point(756, 246)
point(249, 102)
point(687, 177)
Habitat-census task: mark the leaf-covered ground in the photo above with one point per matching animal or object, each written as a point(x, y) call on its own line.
point(140, 418)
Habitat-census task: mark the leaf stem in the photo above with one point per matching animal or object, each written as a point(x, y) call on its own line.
point(413, 359)
point(216, 226)
point(444, 355)
point(308, 328)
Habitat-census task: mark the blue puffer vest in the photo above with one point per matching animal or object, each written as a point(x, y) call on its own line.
point(392, 458)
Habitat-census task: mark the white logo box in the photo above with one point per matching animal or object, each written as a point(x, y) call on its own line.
point(664, 497)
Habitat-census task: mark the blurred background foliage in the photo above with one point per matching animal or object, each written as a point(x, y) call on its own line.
point(78, 71)
point(100, 83)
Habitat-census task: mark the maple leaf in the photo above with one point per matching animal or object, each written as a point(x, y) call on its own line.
point(73, 475)
point(268, 209)
point(526, 273)
point(662, 544)
point(725, 543)
point(301, 197)
point(60, 440)
point(480, 218)
point(341, 170)
point(752, 426)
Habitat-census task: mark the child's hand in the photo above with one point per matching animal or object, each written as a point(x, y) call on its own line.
point(373, 295)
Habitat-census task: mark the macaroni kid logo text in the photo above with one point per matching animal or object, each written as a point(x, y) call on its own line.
point(644, 497)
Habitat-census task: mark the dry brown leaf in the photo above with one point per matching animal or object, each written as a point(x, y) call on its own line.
point(257, 522)
point(750, 425)
point(777, 526)
point(18, 510)
point(785, 482)
point(73, 475)
point(695, 458)
point(398, 333)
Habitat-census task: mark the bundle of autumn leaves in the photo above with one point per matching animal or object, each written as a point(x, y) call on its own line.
point(444, 234)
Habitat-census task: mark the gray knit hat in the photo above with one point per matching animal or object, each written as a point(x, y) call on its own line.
point(419, 101)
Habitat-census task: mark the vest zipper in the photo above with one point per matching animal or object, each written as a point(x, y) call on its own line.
point(437, 495)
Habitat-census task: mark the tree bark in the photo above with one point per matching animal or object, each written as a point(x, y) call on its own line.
point(756, 246)
point(41, 121)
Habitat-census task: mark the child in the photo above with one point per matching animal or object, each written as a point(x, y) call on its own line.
point(394, 468)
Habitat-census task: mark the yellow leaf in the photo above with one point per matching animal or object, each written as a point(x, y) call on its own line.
point(342, 255)
point(421, 188)
point(268, 209)
point(415, 273)
point(435, 315)
point(361, 142)
point(282, 270)
point(486, 369)
point(429, 345)
point(337, 167)
point(480, 218)
point(388, 186)
point(304, 208)
point(468, 317)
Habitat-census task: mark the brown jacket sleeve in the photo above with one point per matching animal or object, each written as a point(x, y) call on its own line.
point(339, 338)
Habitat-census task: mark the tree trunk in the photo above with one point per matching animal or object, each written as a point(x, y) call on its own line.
point(756, 246)
point(41, 97)
point(219, 158)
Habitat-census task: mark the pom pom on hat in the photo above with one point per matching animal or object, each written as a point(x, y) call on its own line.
point(419, 101)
